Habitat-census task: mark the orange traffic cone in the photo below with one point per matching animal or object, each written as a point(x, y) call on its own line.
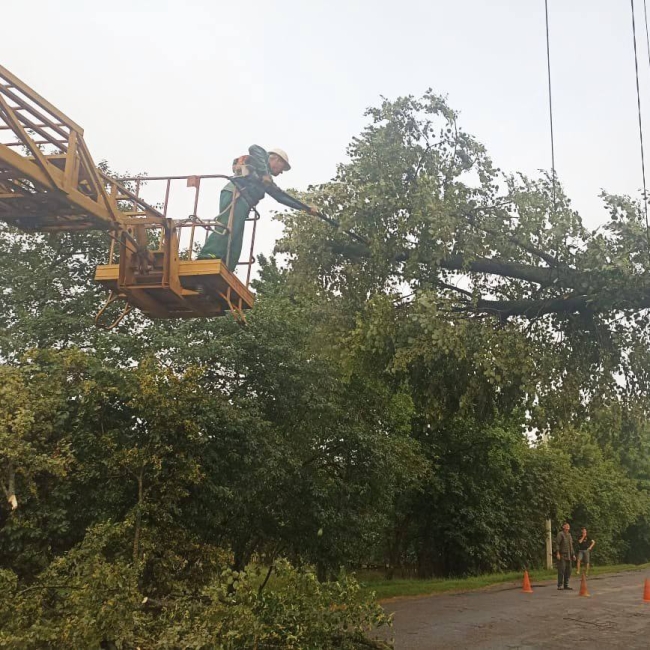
point(646, 591)
point(583, 586)
point(527, 589)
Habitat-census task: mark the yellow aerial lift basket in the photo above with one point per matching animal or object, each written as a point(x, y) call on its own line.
point(49, 183)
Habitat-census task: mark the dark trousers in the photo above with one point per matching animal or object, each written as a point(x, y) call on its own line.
point(563, 572)
point(216, 245)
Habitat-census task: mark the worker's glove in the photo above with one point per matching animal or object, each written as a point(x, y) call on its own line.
point(314, 211)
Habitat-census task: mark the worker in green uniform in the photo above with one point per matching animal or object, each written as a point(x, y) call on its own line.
point(252, 180)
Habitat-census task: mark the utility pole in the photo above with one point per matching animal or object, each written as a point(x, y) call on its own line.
point(549, 545)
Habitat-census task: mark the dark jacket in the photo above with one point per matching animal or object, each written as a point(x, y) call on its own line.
point(564, 545)
point(253, 189)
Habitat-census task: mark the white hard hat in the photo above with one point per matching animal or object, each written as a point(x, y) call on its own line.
point(281, 153)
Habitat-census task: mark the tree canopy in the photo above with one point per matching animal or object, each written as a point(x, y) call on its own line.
point(420, 403)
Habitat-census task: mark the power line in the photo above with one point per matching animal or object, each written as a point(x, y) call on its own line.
point(647, 38)
point(550, 100)
point(647, 43)
point(638, 103)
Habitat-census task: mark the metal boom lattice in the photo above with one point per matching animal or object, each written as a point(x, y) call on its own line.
point(49, 183)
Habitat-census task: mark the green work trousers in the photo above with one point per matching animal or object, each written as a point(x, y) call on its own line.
point(216, 245)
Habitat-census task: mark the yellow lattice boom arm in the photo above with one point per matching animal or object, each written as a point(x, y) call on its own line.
point(49, 183)
point(48, 180)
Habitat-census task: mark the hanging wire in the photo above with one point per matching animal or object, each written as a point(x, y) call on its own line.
point(550, 102)
point(638, 103)
point(647, 38)
point(647, 43)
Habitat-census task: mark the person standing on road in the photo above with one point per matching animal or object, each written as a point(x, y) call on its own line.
point(565, 554)
point(584, 550)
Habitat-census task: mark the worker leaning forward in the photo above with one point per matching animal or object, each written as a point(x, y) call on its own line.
point(251, 182)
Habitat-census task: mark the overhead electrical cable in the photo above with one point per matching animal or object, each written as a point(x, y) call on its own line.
point(550, 101)
point(638, 103)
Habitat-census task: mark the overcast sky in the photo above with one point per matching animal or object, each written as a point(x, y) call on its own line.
point(171, 87)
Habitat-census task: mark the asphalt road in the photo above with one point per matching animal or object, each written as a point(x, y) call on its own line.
point(613, 617)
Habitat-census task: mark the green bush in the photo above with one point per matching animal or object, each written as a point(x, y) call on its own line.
point(86, 599)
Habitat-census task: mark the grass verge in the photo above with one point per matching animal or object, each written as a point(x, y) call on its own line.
point(385, 589)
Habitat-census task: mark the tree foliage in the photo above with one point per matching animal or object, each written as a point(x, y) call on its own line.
point(423, 402)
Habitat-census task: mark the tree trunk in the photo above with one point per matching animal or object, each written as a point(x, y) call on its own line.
point(242, 557)
point(10, 488)
point(395, 547)
point(138, 517)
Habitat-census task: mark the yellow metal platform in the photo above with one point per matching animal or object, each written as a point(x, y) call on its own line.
point(49, 183)
point(208, 288)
